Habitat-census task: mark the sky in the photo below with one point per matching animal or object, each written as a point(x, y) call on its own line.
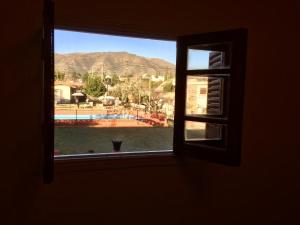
point(71, 41)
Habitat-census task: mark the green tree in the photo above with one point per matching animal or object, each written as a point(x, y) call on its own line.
point(155, 84)
point(94, 86)
point(144, 98)
point(117, 91)
point(85, 77)
point(59, 75)
point(168, 87)
point(75, 76)
point(114, 79)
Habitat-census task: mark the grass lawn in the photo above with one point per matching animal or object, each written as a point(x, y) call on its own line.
point(71, 140)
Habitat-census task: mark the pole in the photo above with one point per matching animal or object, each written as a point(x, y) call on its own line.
point(149, 86)
point(102, 71)
point(76, 114)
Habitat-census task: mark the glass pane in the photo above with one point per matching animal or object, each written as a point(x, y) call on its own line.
point(111, 94)
point(206, 59)
point(204, 96)
point(199, 131)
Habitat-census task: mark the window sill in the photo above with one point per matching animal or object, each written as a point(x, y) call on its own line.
point(109, 161)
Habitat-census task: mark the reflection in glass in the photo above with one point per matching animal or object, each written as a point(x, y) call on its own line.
point(206, 59)
point(204, 95)
point(199, 131)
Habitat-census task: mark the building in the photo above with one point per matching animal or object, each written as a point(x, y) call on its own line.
point(62, 94)
point(157, 78)
point(197, 95)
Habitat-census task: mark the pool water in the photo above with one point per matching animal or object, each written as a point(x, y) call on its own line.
point(94, 117)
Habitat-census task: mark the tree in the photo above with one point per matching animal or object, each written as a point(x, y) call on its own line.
point(155, 84)
point(94, 87)
point(135, 92)
point(116, 91)
point(168, 87)
point(85, 77)
point(75, 76)
point(59, 75)
point(114, 79)
point(144, 99)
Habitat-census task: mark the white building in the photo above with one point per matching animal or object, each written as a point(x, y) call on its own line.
point(62, 94)
point(157, 78)
point(196, 97)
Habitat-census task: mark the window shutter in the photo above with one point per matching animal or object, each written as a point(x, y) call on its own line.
point(48, 90)
point(213, 131)
point(214, 96)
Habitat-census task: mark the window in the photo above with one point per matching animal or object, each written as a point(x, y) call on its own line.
point(208, 95)
point(113, 94)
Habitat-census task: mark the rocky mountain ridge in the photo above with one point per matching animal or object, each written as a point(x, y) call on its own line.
point(120, 63)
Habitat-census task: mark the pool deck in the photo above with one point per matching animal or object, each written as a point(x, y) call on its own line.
point(102, 123)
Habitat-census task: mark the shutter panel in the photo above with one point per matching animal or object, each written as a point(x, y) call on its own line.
point(48, 91)
point(214, 94)
point(214, 89)
point(222, 122)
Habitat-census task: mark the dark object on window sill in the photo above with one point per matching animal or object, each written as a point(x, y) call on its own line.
point(116, 145)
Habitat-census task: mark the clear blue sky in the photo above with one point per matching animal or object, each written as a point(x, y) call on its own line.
point(70, 41)
point(197, 59)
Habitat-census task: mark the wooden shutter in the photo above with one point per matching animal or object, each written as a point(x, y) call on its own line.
point(216, 134)
point(48, 90)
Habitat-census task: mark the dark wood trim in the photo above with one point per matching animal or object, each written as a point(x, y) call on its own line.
point(236, 93)
point(206, 119)
point(211, 154)
point(180, 97)
point(232, 96)
point(213, 38)
point(116, 32)
point(114, 161)
point(112, 155)
point(211, 72)
point(48, 91)
point(209, 146)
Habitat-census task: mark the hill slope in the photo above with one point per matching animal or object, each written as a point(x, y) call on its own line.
point(121, 63)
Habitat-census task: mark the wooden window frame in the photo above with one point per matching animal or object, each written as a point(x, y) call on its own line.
point(48, 91)
point(233, 101)
point(180, 149)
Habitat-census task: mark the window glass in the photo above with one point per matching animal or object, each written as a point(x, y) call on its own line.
point(199, 58)
point(199, 131)
point(113, 93)
point(204, 95)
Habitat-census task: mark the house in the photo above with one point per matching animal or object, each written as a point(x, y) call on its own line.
point(62, 94)
point(263, 190)
point(63, 91)
point(157, 78)
point(197, 96)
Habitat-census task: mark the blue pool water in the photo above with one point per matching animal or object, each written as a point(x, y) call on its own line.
point(94, 117)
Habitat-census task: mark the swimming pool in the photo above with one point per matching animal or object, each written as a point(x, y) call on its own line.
point(94, 117)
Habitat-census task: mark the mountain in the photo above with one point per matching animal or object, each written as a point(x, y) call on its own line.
point(121, 63)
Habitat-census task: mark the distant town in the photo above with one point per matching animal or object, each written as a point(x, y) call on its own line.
point(95, 93)
point(143, 86)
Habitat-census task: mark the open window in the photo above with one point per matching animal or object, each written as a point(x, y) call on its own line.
point(208, 95)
